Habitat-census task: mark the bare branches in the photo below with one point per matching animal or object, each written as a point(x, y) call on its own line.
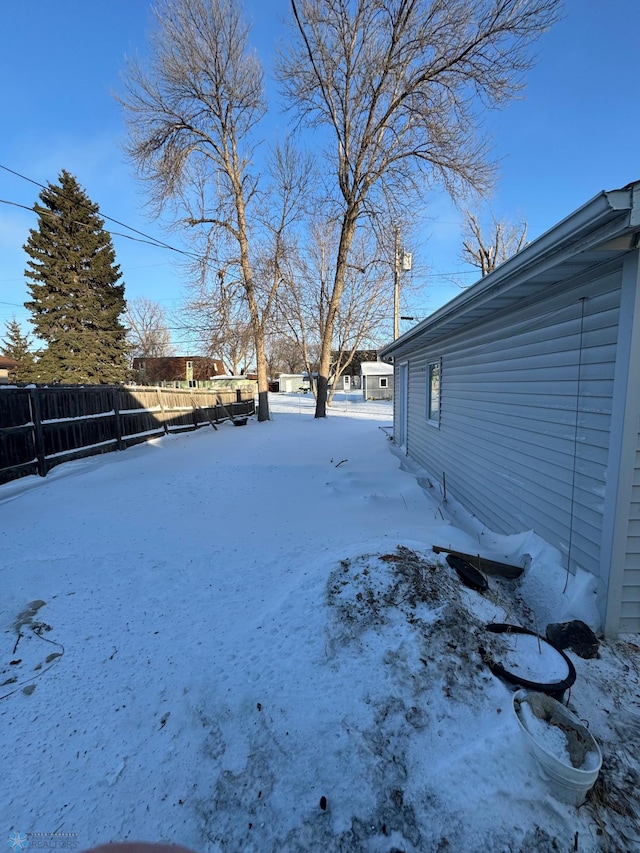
point(148, 334)
point(197, 103)
point(403, 80)
point(488, 252)
point(401, 86)
point(192, 120)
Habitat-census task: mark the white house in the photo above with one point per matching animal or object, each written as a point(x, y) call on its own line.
point(524, 393)
point(377, 380)
point(292, 382)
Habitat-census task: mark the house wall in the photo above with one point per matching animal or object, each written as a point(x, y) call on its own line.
point(509, 400)
point(292, 382)
point(621, 540)
point(630, 605)
point(371, 389)
point(177, 371)
point(347, 382)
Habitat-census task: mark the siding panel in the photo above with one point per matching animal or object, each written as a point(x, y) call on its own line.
point(509, 402)
point(631, 578)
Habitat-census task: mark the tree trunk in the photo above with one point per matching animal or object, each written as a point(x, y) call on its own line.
point(263, 380)
point(346, 238)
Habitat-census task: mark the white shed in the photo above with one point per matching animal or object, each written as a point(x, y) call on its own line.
point(293, 382)
point(523, 392)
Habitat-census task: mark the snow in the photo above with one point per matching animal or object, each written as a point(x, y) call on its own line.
point(551, 738)
point(376, 368)
point(532, 659)
point(204, 635)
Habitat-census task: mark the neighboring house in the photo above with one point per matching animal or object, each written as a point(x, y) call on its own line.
point(351, 378)
point(182, 371)
point(292, 382)
point(377, 380)
point(244, 383)
point(7, 364)
point(524, 392)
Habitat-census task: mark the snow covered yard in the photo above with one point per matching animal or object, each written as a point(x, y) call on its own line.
point(241, 641)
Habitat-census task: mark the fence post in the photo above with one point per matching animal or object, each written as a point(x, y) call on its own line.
point(38, 432)
point(194, 408)
point(162, 409)
point(116, 409)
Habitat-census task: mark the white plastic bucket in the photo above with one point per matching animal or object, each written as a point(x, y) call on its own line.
point(544, 723)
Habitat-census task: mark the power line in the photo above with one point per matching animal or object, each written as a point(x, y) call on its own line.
point(153, 240)
point(150, 242)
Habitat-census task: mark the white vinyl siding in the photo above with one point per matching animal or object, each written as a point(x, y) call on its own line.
point(630, 613)
point(509, 398)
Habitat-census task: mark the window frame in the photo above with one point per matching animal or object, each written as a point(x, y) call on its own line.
point(384, 381)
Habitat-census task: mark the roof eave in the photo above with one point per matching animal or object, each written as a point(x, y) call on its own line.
point(606, 216)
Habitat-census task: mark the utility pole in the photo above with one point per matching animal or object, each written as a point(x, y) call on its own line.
point(401, 264)
point(396, 289)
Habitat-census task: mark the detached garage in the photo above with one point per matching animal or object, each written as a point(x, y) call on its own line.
point(524, 394)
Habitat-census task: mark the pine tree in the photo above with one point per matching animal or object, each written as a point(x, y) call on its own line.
point(18, 346)
point(76, 300)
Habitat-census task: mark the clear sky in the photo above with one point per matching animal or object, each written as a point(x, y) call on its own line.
point(575, 132)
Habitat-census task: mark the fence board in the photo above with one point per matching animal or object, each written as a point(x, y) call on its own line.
point(41, 427)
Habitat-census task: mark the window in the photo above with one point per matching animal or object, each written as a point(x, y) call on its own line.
point(433, 392)
point(383, 381)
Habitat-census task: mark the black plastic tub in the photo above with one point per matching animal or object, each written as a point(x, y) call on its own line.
point(555, 689)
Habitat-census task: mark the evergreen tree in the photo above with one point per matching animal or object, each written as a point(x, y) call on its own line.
point(76, 300)
point(18, 346)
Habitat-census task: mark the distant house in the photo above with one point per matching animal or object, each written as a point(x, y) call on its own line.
point(181, 371)
point(523, 393)
point(245, 383)
point(289, 383)
point(351, 377)
point(377, 380)
point(7, 364)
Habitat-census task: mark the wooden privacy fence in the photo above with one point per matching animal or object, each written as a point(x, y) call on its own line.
point(42, 427)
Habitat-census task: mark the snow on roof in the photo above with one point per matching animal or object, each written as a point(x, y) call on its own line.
point(376, 368)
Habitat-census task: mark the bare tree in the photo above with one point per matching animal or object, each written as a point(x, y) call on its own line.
point(148, 334)
point(400, 85)
point(366, 307)
point(192, 120)
point(284, 355)
point(215, 315)
point(488, 252)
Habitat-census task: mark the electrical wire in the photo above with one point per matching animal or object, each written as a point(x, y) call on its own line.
point(148, 237)
point(150, 242)
point(154, 241)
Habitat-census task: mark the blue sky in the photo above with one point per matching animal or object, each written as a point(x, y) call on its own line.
point(575, 132)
